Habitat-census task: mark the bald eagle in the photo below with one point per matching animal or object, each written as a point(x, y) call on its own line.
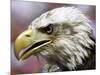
point(63, 37)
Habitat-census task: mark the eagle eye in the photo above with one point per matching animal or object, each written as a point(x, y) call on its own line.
point(48, 29)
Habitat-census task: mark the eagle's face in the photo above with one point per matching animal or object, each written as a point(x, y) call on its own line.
point(61, 35)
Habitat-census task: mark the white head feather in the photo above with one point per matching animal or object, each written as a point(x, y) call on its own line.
point(72, 32)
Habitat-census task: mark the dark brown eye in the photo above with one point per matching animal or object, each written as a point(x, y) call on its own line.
point(48, 29)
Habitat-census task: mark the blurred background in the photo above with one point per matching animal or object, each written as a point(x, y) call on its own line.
point(22, 14)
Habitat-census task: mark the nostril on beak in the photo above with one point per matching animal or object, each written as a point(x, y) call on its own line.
point(27, 35)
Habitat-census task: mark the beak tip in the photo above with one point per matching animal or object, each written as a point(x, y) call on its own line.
point(17, 57)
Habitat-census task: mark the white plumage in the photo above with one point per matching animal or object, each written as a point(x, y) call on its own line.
point(72, 33)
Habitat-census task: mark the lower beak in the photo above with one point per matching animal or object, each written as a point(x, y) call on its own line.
point(29, 43)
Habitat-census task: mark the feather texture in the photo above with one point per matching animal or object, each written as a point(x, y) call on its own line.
point(73, 46)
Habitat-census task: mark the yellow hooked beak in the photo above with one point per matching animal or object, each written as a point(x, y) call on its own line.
point(28, 43)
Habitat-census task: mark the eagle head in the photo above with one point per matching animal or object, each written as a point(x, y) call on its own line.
point(61, 36)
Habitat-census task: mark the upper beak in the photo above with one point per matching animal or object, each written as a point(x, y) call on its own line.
point(28, 43)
